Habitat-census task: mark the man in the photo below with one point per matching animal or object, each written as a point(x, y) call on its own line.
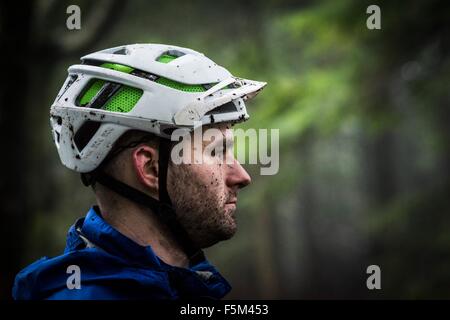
point(113, 121)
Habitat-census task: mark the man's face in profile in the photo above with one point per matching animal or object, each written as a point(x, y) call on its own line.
point(205, 194)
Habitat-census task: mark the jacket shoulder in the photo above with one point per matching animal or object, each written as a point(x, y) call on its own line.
point(101, 276)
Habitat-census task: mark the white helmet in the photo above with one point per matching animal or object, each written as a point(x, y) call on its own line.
point(149, 87)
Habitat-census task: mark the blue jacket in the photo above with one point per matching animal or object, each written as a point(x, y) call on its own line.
point(115, 268)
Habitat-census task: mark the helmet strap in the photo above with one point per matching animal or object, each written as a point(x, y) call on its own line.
point(162, 208)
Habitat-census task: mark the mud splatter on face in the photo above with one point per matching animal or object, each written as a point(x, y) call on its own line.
point(200, 194)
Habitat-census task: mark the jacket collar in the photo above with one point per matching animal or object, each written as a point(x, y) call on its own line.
point(103, 236)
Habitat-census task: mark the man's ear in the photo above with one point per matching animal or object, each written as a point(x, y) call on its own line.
point(145, 164)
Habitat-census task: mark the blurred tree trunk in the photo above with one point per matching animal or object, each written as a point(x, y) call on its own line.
point(15, 35)
point(266, 255)
point(312, 285)
point(380, 164)
point(30, 54)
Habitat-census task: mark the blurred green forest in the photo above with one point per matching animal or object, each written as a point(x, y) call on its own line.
point(364, 137)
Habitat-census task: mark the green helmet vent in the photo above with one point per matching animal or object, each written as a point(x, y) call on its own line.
point(122, 101)
point(93, 87)
point(181, 86)
point(126, 98)
point(166, 58)
point(117, 67)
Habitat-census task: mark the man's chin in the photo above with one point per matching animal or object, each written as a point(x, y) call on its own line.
point(230, 230)
point(225, 233)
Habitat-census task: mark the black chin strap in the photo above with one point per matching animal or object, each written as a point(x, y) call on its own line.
point(163, 168)
point(162, 208)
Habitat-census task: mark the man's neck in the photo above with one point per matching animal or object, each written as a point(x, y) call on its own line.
point(143, 227)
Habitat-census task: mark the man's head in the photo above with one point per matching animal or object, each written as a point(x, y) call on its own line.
point(204, 194)
point(125, 93)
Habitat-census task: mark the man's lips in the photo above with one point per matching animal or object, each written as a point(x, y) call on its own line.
point(232, 201)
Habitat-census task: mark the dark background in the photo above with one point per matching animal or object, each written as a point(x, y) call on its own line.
point(364, 128)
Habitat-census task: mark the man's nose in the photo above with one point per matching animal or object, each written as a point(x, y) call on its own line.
point(238, 176)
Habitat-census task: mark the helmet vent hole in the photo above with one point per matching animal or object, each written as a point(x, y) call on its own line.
point(85, 134)
point(122, 51)
point(225, 108)
point(169, 55)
